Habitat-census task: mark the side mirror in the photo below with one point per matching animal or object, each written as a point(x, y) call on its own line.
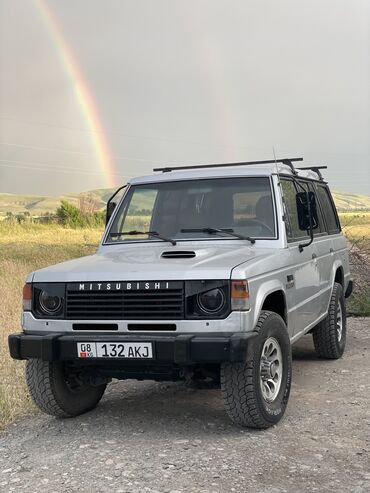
point(306, 207)
point(110, 208)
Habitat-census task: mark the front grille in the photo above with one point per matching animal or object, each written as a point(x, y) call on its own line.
point(123, 304)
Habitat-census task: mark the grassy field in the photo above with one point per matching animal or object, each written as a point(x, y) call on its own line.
point(356, 226)
point(24, 248)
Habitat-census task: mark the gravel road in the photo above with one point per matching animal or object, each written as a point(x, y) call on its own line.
point(149, 437)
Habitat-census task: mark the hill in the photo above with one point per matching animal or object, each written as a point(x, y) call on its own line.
point(351, 201)
point(37, 205)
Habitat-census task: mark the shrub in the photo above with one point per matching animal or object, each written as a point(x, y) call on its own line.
point(71, 216)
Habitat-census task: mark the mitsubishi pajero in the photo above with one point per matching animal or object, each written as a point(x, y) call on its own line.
point(204, 273)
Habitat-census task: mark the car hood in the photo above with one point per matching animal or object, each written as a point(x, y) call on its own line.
point(145, 262)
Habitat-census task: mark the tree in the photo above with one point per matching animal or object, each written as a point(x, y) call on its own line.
point(69, 215)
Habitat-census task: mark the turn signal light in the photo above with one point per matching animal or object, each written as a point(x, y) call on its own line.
point(27, 297)
point(239, 289)
point(240, 295)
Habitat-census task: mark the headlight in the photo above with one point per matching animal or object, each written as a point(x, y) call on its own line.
point(48, 299)
point(211, 301)
point(207, 299)
point(49, 303)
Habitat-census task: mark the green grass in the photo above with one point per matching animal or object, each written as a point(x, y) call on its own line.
point(359, 303)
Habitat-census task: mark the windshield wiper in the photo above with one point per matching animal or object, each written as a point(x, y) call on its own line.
point(149, 233)
point(227, 231)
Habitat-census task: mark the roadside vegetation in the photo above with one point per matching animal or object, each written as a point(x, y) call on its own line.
point(26, 246)
point(356, 226)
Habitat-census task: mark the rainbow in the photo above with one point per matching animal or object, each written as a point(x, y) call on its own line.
point(83, 94)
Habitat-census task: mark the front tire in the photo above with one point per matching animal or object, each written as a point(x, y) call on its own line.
point(55, 393)
point(256, 392)
point(329, 336)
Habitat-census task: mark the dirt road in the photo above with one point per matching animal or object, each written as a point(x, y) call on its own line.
point(148, 437)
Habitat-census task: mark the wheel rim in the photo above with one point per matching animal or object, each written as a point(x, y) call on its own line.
point(339, 322)
point(271, 369)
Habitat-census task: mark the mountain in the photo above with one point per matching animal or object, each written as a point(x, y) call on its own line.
point(37, 205)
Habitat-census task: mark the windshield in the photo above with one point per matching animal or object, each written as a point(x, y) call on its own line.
point(185, 210)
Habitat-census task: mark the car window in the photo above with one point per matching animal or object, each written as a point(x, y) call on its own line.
point(254, 209)
point(139, 210)
point(244, 205)
point(327, 207)
point(321, 223)
point(291, 214)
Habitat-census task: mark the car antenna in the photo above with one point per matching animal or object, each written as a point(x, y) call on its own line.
point(279, 183)
point(276, 165)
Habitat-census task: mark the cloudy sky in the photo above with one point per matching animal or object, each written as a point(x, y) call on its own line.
point(93, 92)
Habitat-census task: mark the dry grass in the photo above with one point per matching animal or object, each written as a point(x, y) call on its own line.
point(24, 248)
point(356, 226)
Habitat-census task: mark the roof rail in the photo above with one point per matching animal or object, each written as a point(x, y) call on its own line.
point(287, 161)
point(316, 169)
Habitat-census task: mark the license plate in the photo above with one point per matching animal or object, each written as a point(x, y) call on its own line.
point(125, 350)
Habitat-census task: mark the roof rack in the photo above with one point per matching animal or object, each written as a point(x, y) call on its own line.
point(316, 169)
point(287, 161)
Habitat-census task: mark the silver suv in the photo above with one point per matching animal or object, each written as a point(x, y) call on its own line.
point(205, 273)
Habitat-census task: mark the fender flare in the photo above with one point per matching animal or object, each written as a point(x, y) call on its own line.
point(336, 265)
point(264, 290)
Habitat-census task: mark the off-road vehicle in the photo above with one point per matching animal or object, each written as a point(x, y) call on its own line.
point(204, 273)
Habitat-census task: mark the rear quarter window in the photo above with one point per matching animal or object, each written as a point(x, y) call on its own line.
point(328, 209)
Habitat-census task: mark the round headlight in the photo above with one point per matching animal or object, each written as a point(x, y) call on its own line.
point(49, 303)
point(211, 301)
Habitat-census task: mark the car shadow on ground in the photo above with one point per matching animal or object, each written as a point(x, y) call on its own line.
point(166, 406)
point(304, 350)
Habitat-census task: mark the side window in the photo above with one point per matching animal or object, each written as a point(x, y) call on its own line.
point(292, 226)
point(330, 214)
point(321, 228)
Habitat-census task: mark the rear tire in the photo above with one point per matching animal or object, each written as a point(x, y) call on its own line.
point(53, 394)
point(256, 392)
point(329, 336)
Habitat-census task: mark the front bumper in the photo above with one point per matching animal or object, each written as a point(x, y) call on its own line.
point(181, 349)
point(236, 321)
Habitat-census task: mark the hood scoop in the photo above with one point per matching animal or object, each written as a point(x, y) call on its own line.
point(178, 254)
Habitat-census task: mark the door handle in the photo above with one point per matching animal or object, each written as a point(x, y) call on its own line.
point(314, 256)
point(331, 250)
point(290, 281)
